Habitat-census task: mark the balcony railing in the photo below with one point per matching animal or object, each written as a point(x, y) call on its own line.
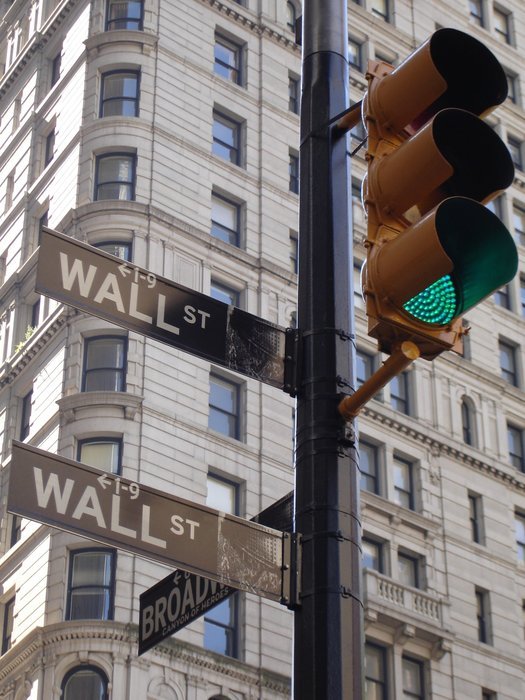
point(381, 589)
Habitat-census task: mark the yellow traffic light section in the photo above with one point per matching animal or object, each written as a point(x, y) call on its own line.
point(433, 249)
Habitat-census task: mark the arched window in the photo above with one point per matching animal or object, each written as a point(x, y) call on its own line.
point(468, 422)
point(291, 16)
point(85, 683)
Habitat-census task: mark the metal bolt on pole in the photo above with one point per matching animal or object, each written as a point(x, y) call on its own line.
point(328, 639)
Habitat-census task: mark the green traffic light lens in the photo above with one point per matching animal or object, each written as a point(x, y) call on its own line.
point(435, 304)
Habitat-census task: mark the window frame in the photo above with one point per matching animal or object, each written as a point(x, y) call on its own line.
point(227, 294)
point(235, 148)
point(237, 51)
point(106, 440)
point(135, 101)
point(515, 147)
point(218, 230)
point(49, 147)
point(26, 407)
point(382, 682)
point(509, 374)
point(121, 371)
point(106, 589)
point(84, 667)
point(519, 518)
point(506, 34)
point(405, 498)
point(367, 476)
point(235, 415)
point(380, 556)
point(401, 402)
point(517, 459)
point(476, 12)
point(8, 616)
point(232, 602)
point(126, 245)
point(416, 564)
point(407, 692)
point(468, 422)
point(131, 158)
point(293, 172)
point(475, 514)
point(294, 94)
point(483, 615)
point(518, 213)
point(138, 24)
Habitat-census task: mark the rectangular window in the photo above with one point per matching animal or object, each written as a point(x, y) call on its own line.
point(519, 524)
point(512, 87)
point(518, 216)
point(355, 57)
point(16, 530)
point(294, 94)
point(226, 138)
point(228, 59)
point(475, 517)
point(294, 173)
point(119, 93)
point(225, 294)
point(8, 615)
point(408, 570)
point(399, 394)
point(369, 466)
point(488, 695)
point(508, 362)
point(467, 422)
point(364, 366)
point(403, 482)
point(221, 624)
point(515, 148)
point(91, 584)
point(25, 421)
point(379, 8)
point(522, 295)
point(375, 672)
point(50, 148)
point(294, 252)
point(124, 14)
point(116, 248)
point(358, 297)
point(482, 615)
point(476, 12)
point(224, 407)
point(105, 364)
point(56, 64)
point(413, 679)
point(115, 176)
point(501, 21)
point(515, 438)
point(372, 554)
point(102, 453)
point(502, 297)
point(225, 220)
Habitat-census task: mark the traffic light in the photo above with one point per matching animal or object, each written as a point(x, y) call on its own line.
point(433, 249)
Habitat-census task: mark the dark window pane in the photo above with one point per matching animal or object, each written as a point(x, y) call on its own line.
point(119, 94)
point(124, 14)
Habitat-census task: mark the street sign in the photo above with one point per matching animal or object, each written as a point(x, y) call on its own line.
point(107, 508)
point(118, 291)
point(182, 597)
point(173, 603)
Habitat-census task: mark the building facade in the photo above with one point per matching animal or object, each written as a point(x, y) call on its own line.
point(167, 133)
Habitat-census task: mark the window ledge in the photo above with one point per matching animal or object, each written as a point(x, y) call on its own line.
point(144, 39)
point(71, 405)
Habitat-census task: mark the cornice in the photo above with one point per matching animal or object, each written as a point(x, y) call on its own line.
point(41, 337)
point(438, 446)
point(241, 15)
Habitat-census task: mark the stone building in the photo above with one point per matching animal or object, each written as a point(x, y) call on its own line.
point(167, 133)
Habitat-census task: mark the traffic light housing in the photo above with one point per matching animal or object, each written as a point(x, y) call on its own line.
point(433, 249)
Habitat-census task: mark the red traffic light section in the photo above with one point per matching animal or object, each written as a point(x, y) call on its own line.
point(433, 249)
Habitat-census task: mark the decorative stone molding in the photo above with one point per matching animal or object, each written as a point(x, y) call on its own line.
point(71, 406)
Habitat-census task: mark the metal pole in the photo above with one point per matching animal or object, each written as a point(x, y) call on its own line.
point(328, 639)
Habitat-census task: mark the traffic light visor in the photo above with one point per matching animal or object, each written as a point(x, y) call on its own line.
point(483, 256)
